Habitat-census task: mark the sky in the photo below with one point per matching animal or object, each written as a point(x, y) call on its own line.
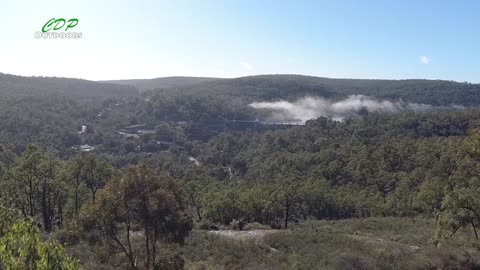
point(374, 39)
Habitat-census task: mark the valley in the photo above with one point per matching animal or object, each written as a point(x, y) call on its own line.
point(381, 184)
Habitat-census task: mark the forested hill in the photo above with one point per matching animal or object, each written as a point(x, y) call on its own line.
point(270, 87)
point(69, 149)
point(251, 88)
point(19, 86)
point(165, 82)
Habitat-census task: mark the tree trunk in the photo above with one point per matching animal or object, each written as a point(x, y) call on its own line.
point(147, 246)
point(60, 215)
point(129, 256)
point(475, 230)
point(198, 212)
point(454, 231)
point(130, 250)
point(287, 213)
point(47, 225)
point(31, 201)
point(197, 208)
point(76, 197)
point(154, 247)
point(94, 193)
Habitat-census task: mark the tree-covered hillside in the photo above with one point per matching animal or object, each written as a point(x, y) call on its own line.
point(50, 111)
point(127, 180)
point(290, 87)
point(165, 82)
point(19, 86)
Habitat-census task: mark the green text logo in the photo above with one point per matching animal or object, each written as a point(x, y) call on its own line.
point(57, 24)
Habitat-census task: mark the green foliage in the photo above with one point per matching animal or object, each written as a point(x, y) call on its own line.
point(430, 195)
point(139, 198)
point(408, 165)
point(96, 173)
point(461, 206)
point(21, 247)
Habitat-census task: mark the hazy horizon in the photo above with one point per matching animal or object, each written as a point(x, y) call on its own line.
point(252, 75)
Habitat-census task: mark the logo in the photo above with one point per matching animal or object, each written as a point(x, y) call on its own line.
point(58, 28)
point(59, 24)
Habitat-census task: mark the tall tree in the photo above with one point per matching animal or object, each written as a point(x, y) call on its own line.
point(76, 172)
point(139, 197)
point(97, 173)
point(461, 205)
point(27, 176)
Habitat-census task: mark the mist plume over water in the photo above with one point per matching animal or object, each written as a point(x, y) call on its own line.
point(307, 108)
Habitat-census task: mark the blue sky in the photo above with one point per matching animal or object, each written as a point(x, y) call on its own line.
point(342, 39)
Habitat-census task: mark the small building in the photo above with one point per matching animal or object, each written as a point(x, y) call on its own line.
point(84, 148)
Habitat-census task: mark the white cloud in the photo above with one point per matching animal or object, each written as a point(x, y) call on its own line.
point(425, 60)
point(246, 66)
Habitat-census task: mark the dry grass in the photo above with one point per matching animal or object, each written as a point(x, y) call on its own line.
point(372, 243)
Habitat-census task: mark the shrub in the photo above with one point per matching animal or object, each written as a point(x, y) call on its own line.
point(171, 262)
point(256, 226)
point(67, 237)
point(352, 262)
point(207, 226)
